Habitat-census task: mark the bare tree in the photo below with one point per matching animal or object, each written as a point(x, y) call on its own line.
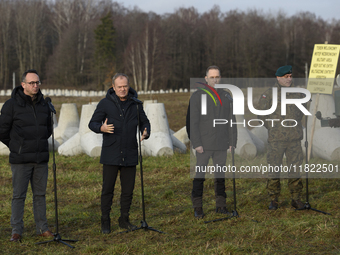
point(5, 21)
point(88, 11)
point(63, 15)
point(30, 33)
point(77, 20)
point(143, 54)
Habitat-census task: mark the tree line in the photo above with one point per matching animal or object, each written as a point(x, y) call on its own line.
point(82, 43)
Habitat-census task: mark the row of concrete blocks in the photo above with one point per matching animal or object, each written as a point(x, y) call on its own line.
point(72, 135)
point(92, 93)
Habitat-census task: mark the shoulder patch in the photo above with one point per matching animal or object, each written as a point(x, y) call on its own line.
point(264, 96)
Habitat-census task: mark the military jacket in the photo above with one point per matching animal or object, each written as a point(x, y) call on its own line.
point(279, 131)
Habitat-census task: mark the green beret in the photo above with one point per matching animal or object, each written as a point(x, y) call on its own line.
point(283, 70)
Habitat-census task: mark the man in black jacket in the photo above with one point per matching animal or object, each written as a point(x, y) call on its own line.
point(25, 126)
point(117, 119)
point(208, 141)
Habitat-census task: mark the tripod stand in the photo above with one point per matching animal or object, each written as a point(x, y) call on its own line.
point(234, 213)
point(57, 237)
point(307, 206)
point(144, 224)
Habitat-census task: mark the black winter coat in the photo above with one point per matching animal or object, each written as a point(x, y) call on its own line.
point(200, 127)
point(119, 148)
point(25, 128)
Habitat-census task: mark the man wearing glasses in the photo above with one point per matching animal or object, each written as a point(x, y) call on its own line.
point(208, 141)
point(25, 126)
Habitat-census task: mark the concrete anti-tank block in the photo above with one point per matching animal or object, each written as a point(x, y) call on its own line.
point(159, 143)
point(68, 123)
point(182, 135)
point(245, 146)
point(71, 147)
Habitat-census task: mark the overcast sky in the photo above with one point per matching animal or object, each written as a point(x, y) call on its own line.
point(326, 9)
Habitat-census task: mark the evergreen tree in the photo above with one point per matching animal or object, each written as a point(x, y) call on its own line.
point(105, 50)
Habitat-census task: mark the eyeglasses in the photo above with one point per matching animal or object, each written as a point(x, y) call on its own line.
point(32, 83)
point(216, 77)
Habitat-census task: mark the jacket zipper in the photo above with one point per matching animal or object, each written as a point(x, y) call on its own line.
point(35, 116)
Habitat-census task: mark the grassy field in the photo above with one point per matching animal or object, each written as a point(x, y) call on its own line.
point(168, 208)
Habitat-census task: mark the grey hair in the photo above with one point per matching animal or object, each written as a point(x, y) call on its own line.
point(119, 75)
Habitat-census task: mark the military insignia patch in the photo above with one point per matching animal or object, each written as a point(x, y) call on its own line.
point(264, 96)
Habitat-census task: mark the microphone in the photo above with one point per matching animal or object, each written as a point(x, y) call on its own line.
point(229, 97)
point(136, 100)
point(48, 101)
point(318, 115)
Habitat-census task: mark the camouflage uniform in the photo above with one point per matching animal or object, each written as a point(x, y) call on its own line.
point(334, 123)
point(283, 140)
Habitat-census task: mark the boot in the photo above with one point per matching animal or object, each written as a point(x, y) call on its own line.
point(106, 226)
point(125, 223)
point(273, 205)
point(198, 211)
point(222, 210)
point(297, 204)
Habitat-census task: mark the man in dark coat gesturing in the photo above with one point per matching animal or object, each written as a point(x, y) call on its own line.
point(209, 141)
point(116, 117)
point(25, 126)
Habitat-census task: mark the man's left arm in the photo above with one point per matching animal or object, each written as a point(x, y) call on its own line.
point(144, 124)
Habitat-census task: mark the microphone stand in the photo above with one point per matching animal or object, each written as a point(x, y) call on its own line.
point(144, 224)
point(234, 213)
point(307, 206)
point(57, 237)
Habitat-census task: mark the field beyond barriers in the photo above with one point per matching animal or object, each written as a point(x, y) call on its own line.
point(168, 208)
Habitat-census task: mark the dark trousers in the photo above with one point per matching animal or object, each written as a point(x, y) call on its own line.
point(219, 158)
point(127, 182)
point(22, 174)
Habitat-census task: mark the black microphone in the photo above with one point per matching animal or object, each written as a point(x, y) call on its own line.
point(318, 115)
point(229, 97)
point(136, 100)
point(48, 101)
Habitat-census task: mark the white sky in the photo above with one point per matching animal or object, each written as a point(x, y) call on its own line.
point(325, 9)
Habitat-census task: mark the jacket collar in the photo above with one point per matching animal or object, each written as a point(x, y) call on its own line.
point(19, 95)
point(111, 95)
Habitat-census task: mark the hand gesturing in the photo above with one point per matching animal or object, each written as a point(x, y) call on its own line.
point(145, 135)
point(107, 128)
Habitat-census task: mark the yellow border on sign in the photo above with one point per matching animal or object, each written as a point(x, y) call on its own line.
point(323, 68)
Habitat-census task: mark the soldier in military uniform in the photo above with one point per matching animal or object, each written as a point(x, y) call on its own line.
point(283, 140)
